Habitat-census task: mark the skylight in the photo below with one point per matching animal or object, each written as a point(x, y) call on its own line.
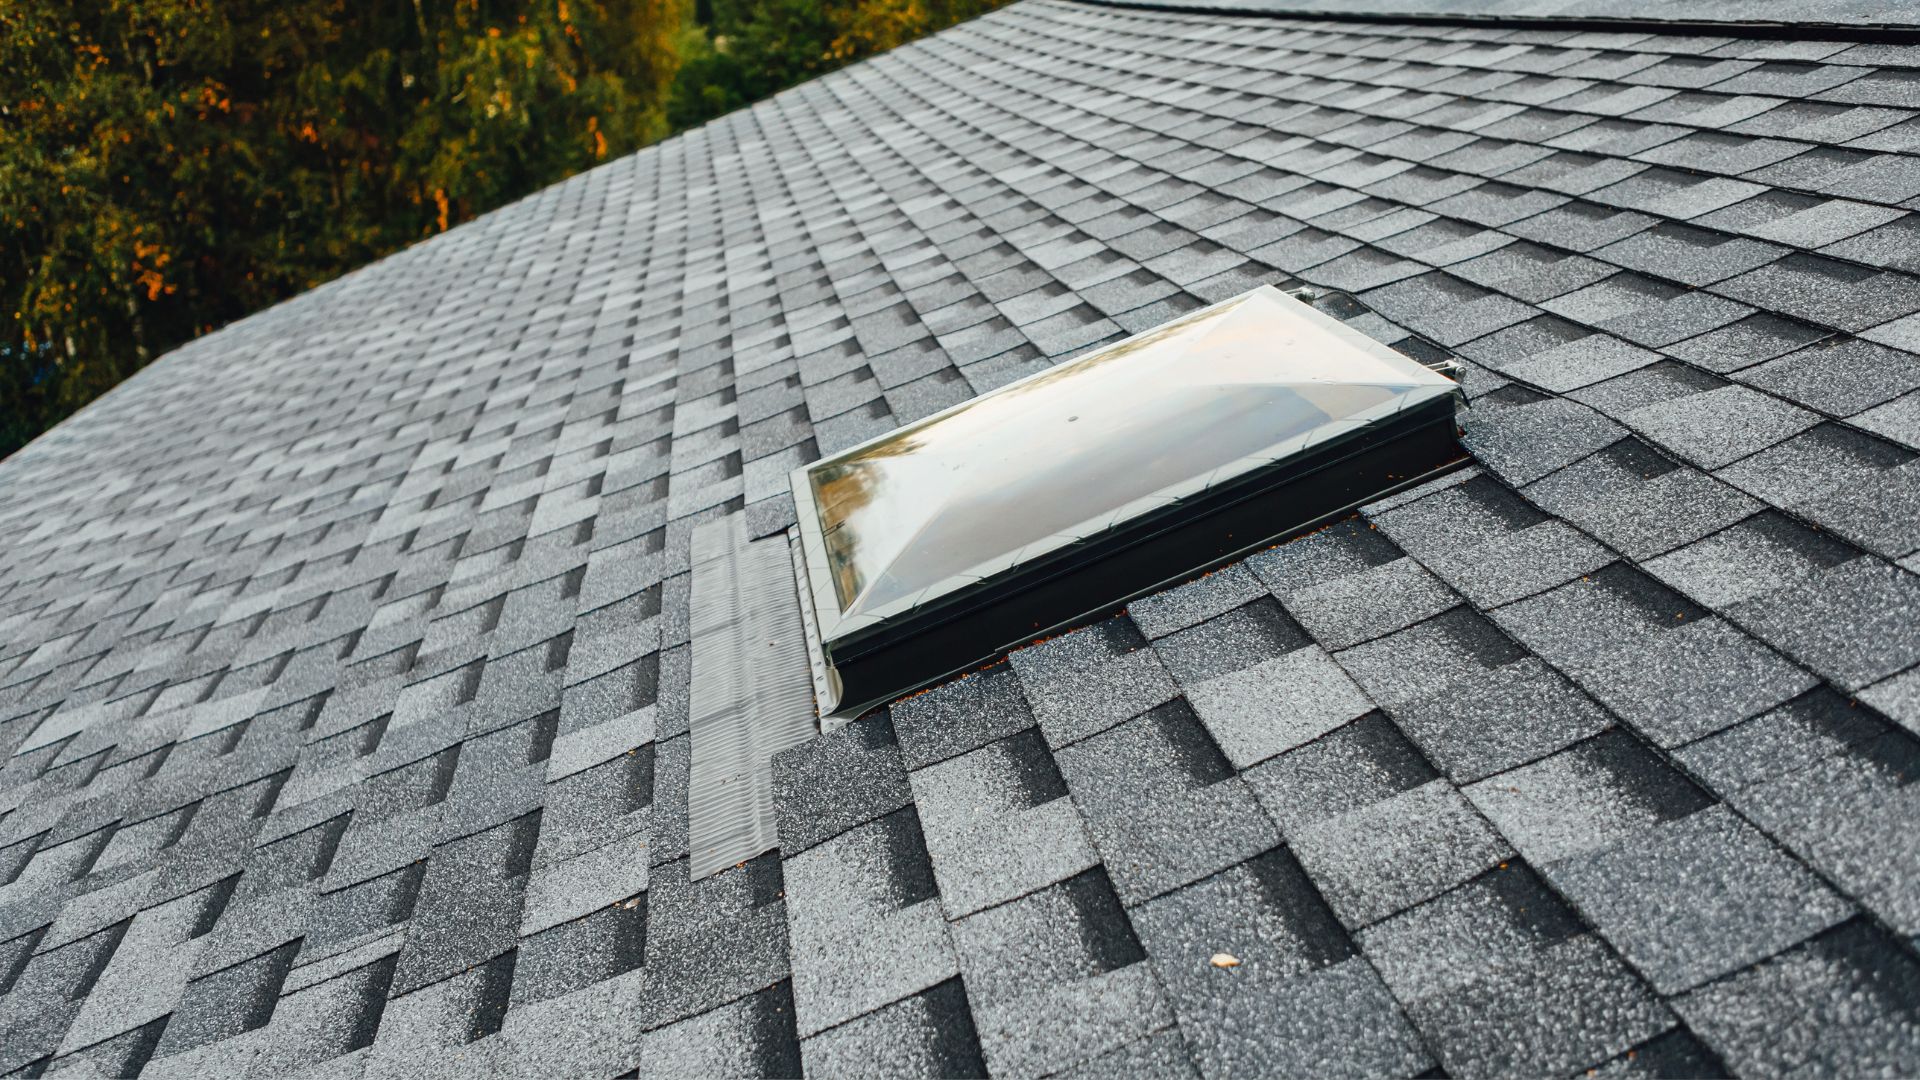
point(936, 546)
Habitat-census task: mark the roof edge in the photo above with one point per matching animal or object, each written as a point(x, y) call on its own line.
point(1860, 21)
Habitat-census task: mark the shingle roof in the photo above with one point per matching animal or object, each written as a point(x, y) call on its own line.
point(345, 652)
point(1876, 21)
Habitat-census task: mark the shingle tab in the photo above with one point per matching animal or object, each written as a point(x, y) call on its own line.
point(1084, 682)
point(1662, 664)
point(1855, 623)
point(1163, 805)
point(959, 716)
point(1838, 376)
point(998, 824)
point(1376, 848)
point(1523, 435)
point(1844, 1002)
point(1461, 729)
point(1751, 559)
point(1057, 978)
point(1826, 291)
point(1499, 978)
point(1690, 255)
point(826, 786)
point(1700, 898)
point(1298, 977)
point(930, 1034)
point(1263, 710)
point(859, 905)
point(1630, 497)
point(1798, 734)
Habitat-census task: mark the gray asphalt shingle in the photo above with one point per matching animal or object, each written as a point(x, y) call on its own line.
point(344, 653)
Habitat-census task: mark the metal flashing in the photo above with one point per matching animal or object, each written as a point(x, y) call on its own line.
point(751, 693)
point(826, 688)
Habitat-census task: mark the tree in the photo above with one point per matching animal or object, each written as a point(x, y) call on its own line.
point(167, 166)
point(740, 51)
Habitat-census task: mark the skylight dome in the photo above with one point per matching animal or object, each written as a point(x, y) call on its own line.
point(1065, 494)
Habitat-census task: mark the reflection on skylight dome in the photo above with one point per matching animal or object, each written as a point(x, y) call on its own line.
point(1068, 492)
point(1055, 454)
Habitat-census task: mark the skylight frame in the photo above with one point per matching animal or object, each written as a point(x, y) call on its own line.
point(1140, 520)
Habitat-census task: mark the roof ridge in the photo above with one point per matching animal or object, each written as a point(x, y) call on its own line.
point(1862, 21)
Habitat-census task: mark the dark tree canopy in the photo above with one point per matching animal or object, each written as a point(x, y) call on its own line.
point(167, 166)
point(743, 50)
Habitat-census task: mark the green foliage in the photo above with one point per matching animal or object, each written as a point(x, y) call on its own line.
point(167, 166)
point(170, 165)
point(749, 49)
